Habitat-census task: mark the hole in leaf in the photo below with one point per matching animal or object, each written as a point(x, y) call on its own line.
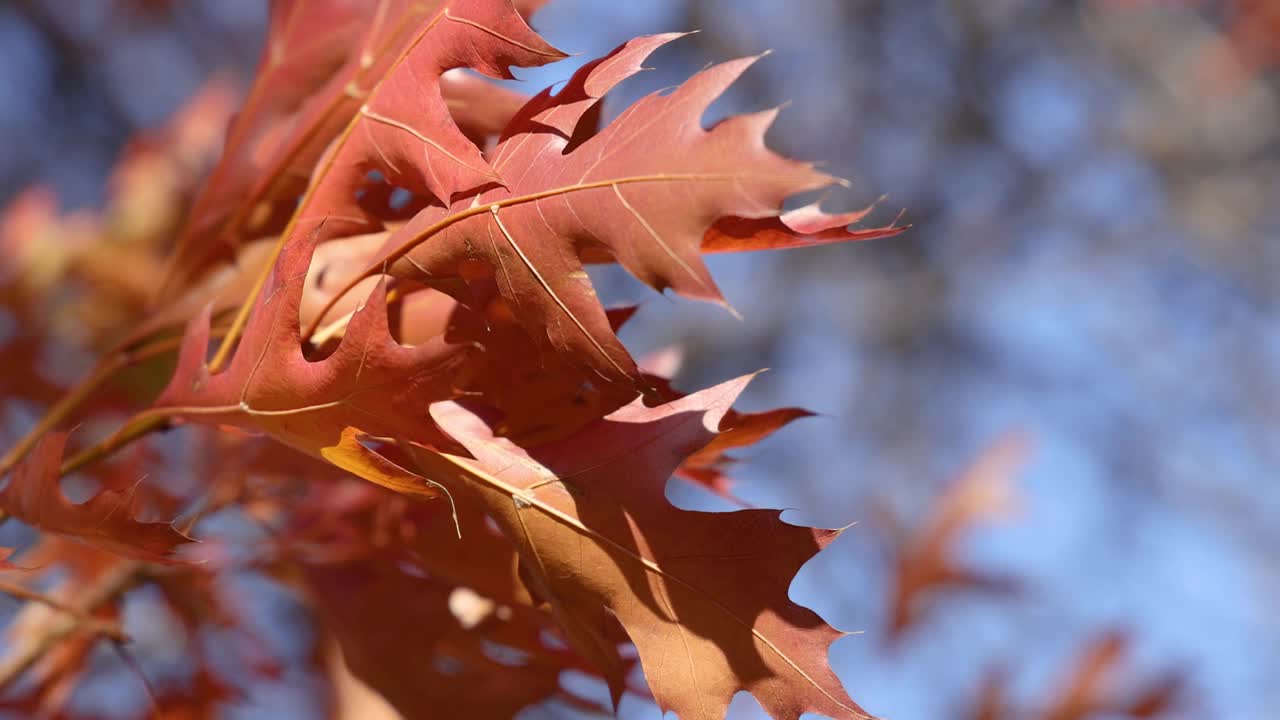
point(504, 654)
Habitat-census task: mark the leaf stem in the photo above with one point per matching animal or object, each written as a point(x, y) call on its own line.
point(67, 405)
point(107, 368)
point(106, 628)
point(144, 423)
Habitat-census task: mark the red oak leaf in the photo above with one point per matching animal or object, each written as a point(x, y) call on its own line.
point(702, 595)
point(380, 106)
point(106, 521)
point(369, 381)
point(643, 191)
point(925, 566)
point(1094, 685)
point(737, 430)
point(411, 639)
point(807, 226)
point(307, 42)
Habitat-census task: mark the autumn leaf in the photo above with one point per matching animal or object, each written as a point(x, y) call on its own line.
point(569, 197)
point(1095, 684)
point(481, 108)
point(382, 109)
point(545, 397)
point(106, 521)
point(1091, 688)
point(702, 595)
point(483, 368)
point(36, 245)
point(307, 42)
point(807, 226)
point(470, 644)
point(925, 566)
point(369, 381)
point(403, 128)
point(366, 521)
point(401, 637)
point(708, 466)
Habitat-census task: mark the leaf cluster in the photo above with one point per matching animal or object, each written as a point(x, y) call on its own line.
point(368, 309)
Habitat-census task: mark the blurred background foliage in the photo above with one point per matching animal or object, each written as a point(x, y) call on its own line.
point(1094, 189)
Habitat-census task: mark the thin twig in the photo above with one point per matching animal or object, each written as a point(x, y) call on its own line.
point(89, 623)
point(111, 364)
point(107, 588)
point(65, 406)
point(138, 426)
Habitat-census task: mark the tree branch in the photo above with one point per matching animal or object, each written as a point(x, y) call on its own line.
point(31, 648)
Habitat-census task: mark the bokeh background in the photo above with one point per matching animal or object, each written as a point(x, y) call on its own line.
point(1094, 190)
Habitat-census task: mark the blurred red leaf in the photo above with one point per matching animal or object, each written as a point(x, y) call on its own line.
point(421, 656)
point(5, 554)
point(982, 494)
point(1094, 686)
point(105, 521)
